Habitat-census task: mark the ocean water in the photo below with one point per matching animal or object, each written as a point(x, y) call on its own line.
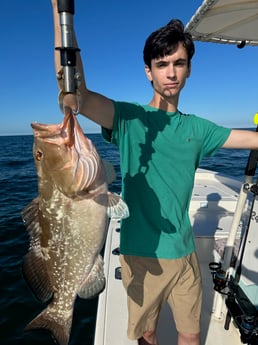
point(18, 186)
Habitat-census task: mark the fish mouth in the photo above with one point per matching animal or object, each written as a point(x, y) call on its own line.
point(65, 132)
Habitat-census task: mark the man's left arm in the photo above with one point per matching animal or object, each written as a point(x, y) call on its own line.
point(242, 139)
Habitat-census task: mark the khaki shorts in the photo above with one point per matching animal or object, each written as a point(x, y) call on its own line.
point(150, 282)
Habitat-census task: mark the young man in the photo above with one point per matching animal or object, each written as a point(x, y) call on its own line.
point(160, 149)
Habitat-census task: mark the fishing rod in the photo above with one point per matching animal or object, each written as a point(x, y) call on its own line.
point(247, 187)
point(249, 174)
point(239, 306)
point(67, 50)
point(241, 203)
point(249, 171)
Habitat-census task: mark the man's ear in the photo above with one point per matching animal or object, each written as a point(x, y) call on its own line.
point(148, 72)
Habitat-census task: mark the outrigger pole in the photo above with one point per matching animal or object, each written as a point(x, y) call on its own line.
point(67, 50)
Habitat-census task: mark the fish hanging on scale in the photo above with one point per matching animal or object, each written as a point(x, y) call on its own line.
point(67, 223)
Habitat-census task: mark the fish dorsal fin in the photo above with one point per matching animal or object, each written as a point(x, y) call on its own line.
point(30, 217)
point(34, 270)
point(109, 171)
point(34, 265)
point(117, 208)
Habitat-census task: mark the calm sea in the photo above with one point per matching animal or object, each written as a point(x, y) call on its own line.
point(18, 186)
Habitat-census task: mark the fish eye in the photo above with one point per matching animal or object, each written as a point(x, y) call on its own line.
point(38, 155)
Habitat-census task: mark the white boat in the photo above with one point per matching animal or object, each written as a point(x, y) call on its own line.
point(224, 215)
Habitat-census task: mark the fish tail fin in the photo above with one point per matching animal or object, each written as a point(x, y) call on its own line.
point(59, 328)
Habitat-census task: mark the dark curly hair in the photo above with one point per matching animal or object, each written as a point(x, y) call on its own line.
point(165, 40)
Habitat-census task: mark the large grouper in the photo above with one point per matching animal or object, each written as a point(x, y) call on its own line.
point(67, 223)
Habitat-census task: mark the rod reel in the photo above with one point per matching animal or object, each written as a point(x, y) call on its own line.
point(219, 277)
point(239, 307)
point(243, 312)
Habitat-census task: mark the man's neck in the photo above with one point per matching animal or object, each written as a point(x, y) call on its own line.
point(161, 103)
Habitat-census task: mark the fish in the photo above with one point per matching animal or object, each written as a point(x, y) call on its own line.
point(67, 223)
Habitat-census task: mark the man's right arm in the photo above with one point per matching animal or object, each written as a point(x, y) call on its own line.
point(95, 106)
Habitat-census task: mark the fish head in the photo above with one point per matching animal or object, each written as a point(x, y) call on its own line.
point(65, 158)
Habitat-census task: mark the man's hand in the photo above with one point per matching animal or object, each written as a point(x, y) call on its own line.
point(69, 100)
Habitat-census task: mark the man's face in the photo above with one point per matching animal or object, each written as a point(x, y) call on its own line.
point(168, 74)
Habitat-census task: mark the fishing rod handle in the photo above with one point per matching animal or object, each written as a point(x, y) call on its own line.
point(67, 50)
point(65, 6)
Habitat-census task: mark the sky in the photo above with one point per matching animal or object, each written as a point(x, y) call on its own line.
point(111, 34)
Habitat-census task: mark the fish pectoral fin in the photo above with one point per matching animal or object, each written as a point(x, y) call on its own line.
point(95, 282)
point(117, 208)
point(109, 171)
point(59, 328)
point(35, 273)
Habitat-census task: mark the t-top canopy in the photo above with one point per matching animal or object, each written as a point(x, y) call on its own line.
point(226, 21)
